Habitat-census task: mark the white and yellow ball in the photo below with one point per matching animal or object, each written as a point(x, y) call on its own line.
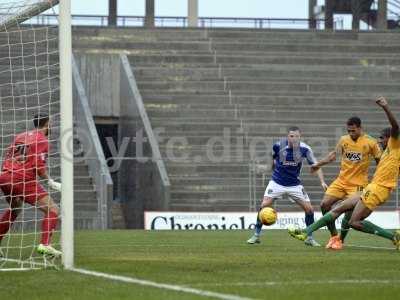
point(268, 216)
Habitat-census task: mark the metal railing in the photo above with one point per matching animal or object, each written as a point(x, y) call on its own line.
point(180, 21)
point(92, 150)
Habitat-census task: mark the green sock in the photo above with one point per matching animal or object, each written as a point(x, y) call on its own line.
point(324, 221)
point(345, 225)
point(371, 228)
point(331, 226)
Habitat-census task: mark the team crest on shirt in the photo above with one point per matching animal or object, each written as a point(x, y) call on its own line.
point(353, 156)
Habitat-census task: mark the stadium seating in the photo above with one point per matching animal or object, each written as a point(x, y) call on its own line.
point(196, 83)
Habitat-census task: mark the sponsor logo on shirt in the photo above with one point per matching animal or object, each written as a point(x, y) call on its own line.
point(290, 163)
point(353, 156)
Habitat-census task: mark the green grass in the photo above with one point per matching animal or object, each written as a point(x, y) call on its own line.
point(219, 261)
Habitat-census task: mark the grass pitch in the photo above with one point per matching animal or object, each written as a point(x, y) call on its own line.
point(218, 261)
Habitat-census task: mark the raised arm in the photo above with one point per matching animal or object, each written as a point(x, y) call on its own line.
point(381, 101)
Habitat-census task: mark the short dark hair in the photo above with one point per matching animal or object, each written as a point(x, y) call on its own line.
point(40, 119)
point(354, 121)
point(386, 132)
point(293, 128)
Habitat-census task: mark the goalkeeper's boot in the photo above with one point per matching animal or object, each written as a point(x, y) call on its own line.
point(331, 241)
point(297, 233)
point(48, 250)
point(255, 239)
point(396, 239)
point(309, 241)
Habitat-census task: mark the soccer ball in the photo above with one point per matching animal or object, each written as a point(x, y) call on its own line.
point(268, 216)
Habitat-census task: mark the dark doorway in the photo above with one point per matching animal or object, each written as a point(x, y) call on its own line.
point(109, 132)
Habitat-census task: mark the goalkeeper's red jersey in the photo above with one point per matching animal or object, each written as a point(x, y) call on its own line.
point(27, 155)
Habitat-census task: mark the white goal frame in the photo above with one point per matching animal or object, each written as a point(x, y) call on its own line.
point(66, 130)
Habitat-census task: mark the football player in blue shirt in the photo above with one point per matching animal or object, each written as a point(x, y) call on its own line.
point(288, 155)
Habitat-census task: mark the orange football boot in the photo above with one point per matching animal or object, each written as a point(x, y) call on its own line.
point(337, 244)
point(331, 241)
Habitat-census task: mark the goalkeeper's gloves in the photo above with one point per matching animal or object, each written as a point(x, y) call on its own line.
point(54, 185)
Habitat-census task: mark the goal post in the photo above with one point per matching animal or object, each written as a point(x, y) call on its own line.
point(66, 109)
point(36, 79)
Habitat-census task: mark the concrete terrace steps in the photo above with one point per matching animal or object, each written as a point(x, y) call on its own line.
point(274, 67)
point(158, 73)
point(275, 93)
point(297, 40)
point(132, 45)
point(249, 78)
point(264, 106)
point(235, 68)
point(361, 64)
point(230, 34)
point(259, 47)
point(276, 47)
point(262, 100)
point(192, 180)
point(240, 112)
point(252, 129)
point(229, 60)
point(238, 144)
point(258, 121)
point(204, 171)
point(242, 87)
point(253, 83)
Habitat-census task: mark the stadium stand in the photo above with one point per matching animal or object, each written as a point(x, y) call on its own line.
point(250, 83)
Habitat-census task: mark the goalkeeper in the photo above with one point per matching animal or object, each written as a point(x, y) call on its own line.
point(25, 160)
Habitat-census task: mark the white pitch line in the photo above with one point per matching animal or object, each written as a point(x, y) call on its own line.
point(370, 247)
point(19, 269)
point(306, 282)
point(171, 287)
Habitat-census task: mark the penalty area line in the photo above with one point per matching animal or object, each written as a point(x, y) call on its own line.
point(176, 288)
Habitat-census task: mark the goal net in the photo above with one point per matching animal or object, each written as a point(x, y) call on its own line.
point(29, 87)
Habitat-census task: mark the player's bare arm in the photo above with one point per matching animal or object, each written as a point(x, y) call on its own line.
point(321, 177)
point(382, 102)
point(326, 160)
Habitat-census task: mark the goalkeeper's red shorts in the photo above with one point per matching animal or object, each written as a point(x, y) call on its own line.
point(29, 191)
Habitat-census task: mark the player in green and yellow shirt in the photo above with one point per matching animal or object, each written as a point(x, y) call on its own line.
point(376, 193)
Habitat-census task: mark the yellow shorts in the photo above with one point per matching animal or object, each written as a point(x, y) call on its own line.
point(339, 190)
point(374, 195)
